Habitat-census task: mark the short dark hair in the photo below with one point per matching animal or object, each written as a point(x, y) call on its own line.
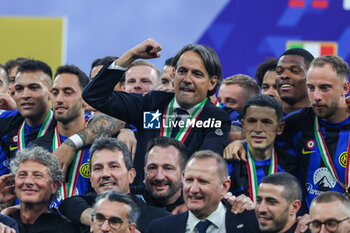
point(221, 163)
point(331, 196)
point(308, 57)
point(169, 61)
point(291, 187)
point(264, 101)
point(111, 144)
point(166, 142)
point(31, 65)
point(268, 65)
point(115, 196)
point(72, 69)
point(14, 62)
point(102, 62)
point(210, 60)
point(6, 79)
point(337, 63)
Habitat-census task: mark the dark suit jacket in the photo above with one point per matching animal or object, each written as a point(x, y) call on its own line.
point(131, 107)
point(238, 223)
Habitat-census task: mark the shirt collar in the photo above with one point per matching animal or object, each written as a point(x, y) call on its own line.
point(217, 217)
point(189, 110)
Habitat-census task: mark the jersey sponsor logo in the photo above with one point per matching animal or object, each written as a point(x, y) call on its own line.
point(323, 180)
point(342, 159)
point(85, 170)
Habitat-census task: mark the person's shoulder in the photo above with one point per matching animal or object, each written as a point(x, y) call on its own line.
point(169, 224)
point(160, 97)
point(299, 114)
point(155, 212)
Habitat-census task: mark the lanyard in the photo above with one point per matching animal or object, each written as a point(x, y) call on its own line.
point(167, 127)
point(43, 130)
point(252, 178)
point(67, 189)
point(327, 158)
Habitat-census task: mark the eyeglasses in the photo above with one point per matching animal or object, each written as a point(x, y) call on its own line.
point(114, 222)
point(331, 225)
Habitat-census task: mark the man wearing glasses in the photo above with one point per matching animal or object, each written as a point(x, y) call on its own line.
point(329, 212)
point(114, 212)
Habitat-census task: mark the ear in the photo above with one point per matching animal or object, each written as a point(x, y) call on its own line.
point(294, 207)
point(212, 82)
point(225, 186)
point(345, 87)
point(55, 186)
point(173, 73)
point(92, 224)
point(280, 127)
point(132, 228)
point(242, 123)
point(132, 174)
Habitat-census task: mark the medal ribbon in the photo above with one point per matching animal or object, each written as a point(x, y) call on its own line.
point(183, 133)
point(43, 130)
point(327, 158)
point(252, 178)
point(68, 189)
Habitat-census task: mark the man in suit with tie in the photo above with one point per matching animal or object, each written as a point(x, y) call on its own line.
point(205, 181)
point(197, 74)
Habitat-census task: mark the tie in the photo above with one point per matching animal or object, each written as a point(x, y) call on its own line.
point(202, 226)
point(179, 113)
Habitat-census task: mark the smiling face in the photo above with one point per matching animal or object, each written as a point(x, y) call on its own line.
point(32, 96)
point(109, 172)
point(163, 174)
point(66, 98)
point(191, 80)
point(261, 125)
point(33, 183)
point(202, 186)
point(291, 78)
point(327, 92)
point(272, 209)
point(269, 87)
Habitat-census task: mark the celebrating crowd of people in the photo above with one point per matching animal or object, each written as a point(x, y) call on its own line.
point(135, 149)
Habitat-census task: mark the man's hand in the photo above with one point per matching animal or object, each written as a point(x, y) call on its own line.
point(6, 229)
point(6, 188)
point(302, 221)
point(146, 50)
point(128, 137)
point(6, 102)
point(235, 150)
point(180, 209)
point(65, 154)
point(239, 204)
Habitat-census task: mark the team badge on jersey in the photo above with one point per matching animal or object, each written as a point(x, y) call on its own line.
point(85, 170)
point(342, 159)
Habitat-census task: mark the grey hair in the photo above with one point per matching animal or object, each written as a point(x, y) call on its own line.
point(115, 196)
point(42, 156)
